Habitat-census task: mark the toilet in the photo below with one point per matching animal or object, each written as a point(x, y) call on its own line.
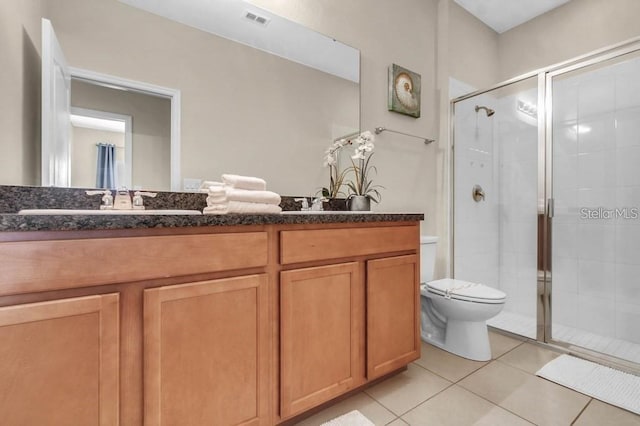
point(454, 313)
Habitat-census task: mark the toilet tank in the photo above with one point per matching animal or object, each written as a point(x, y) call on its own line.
point(427, 257)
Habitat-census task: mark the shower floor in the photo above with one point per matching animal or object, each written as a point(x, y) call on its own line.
point(526, 326)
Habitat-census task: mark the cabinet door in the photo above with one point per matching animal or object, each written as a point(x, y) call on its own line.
point(321, 335)
point(393, 313)
point(206, 353)
point(59, 362)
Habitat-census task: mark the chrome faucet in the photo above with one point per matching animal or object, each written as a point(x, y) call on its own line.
point(138, 202)
point(107, 198)
point(316, 204)
point(305, 204)
point(123, 200)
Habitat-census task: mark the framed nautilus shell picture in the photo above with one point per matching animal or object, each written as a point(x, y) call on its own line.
point(404, 91)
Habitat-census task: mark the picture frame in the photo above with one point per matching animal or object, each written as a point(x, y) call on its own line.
point(404, 91)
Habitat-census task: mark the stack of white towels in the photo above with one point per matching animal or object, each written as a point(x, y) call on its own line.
point(240, 194)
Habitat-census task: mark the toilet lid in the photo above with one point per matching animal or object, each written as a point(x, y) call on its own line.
point(465, 290)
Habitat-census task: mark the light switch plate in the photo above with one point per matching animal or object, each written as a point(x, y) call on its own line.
point(191, 184)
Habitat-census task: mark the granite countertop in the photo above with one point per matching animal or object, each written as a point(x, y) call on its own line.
point(16, 198)
point(15, 222)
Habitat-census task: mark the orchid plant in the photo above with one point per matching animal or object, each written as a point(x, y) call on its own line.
point(336, 177)
point(362, 183)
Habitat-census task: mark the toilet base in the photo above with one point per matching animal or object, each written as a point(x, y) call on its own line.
point(463, 338)
point(468, 339)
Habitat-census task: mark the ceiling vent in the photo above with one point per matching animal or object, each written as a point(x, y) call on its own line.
point(258, 19)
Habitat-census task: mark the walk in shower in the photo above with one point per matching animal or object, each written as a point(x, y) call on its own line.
point(556, 156)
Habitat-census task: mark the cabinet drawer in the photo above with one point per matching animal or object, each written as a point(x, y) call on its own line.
point(32, 266)
point(321, 244)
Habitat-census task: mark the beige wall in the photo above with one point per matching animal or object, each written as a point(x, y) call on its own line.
point(473, 49)
point(20, 42)
point(573, 29)
point(151, 129)
point(468, 52)
point(84, 153)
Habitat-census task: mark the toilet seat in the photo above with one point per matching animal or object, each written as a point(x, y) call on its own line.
point(464, 290)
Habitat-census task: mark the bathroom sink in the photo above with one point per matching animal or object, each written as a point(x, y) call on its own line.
point(107, 212)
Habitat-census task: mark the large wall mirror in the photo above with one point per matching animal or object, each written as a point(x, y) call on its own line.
point(259, 95)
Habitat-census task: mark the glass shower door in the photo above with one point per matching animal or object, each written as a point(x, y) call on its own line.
point(595, 238)
point(495, 237)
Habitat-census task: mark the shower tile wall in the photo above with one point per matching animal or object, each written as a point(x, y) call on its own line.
point(476, 243)
point(517, 138)
point(496, 240)
point(596, 154)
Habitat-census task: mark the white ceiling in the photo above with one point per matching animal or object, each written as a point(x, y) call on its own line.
point(502, 15)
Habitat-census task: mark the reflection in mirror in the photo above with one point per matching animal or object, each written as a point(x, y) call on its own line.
point(243, 110)
point(93, 135)
point(149, 149)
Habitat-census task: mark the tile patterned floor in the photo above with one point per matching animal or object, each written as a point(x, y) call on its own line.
point(444, 389)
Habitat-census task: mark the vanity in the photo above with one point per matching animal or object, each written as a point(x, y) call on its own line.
point(201, 320)
point(178, 319)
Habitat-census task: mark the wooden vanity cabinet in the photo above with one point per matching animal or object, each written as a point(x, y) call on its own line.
point(206, 353)
point(393, 312)
point(238, 325)
point(348, 322)
point(59, 362)
point(321, 331)
point(192, 346)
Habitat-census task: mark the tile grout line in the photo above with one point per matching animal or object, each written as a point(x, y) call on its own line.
point(417, 405)
point(523, 370)
point(582, 411)
point(493, 403)
point(397, 418)
point(453, 383)
point(511, 350)
point(461, 379)
point(431, 397)
point(436, 374)
point(474, 371)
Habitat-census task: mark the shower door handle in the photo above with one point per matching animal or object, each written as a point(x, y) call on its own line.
point(550, 208)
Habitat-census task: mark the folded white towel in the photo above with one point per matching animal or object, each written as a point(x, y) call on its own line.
point(245, 182)
point(217, 192)
point(204, 186)
point(245, 195)
point(217, 209)
point(216, 199)
point(242, 208)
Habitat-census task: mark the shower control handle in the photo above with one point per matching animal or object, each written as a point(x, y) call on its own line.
point(477, 193)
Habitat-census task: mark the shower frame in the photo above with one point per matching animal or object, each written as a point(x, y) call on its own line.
point(544, 190)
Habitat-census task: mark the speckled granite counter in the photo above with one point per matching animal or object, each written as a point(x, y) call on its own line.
point(15, 198)
point(14, 222)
